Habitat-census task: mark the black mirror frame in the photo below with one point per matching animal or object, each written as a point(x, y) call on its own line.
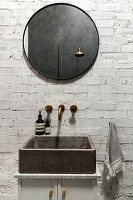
point(90, 66)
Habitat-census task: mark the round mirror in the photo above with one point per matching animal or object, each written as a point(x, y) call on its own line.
point(61, 41)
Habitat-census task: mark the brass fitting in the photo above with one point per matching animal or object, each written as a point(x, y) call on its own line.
point(60, 109)
point(48, 108)
point(73, 108)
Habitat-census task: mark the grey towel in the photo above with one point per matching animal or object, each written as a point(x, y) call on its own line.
point(113, 156)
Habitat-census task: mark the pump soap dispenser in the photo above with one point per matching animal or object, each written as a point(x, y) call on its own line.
point(40, 125)
point(47, 127)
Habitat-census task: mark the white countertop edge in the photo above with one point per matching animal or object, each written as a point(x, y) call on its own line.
point(53, 176)
point(65, 176)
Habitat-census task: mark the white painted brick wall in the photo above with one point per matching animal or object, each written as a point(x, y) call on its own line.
point(103, 94)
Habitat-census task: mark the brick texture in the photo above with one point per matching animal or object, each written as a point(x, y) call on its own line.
point(103, 94)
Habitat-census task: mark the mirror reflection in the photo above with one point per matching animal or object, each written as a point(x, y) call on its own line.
point(61, 41)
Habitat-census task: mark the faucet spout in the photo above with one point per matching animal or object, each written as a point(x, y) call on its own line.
point(60, 110)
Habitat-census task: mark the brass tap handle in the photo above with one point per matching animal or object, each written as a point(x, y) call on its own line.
point(73, 108)
point(48, 108)
point(50, 193)
point(63, 193)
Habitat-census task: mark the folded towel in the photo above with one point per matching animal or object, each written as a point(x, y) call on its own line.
point(113, 156)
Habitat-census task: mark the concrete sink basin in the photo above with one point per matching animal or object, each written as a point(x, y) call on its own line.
point(58, 155)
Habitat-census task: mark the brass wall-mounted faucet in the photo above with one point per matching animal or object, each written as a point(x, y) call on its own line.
point(60, 110)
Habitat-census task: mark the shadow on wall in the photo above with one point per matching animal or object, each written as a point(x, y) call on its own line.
point(59, 127)
point(110, 188)
point(72, 119)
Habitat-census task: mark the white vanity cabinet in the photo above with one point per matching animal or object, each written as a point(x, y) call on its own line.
point(37, 189)
point(77, 189)
point(57, 187)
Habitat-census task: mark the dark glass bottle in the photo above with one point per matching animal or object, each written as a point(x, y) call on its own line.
point(47, 127)
point(40, 125)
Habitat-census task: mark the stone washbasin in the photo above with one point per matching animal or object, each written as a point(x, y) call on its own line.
point(58, 155)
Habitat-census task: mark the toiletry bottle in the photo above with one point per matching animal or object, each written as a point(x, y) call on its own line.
point(47, 127)
point(40, 125)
